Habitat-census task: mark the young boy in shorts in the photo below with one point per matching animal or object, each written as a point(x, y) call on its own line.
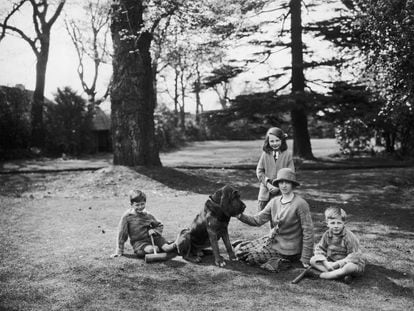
point(137, 224)
point(337, 255)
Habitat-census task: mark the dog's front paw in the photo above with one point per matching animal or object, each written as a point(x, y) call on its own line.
point(233, 257)
point(197, 259)
point(220, 262)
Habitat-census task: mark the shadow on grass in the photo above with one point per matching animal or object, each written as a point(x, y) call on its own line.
point(197, 181)
point(368, 202)
point(171, 261)
point(375, 277)
point(385, 280)
point(180, 180)
point(15, 185)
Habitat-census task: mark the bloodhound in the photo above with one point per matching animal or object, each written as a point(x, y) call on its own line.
point(211, 224)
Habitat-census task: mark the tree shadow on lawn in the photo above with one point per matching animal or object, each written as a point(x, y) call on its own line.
point(372, 210)
point(375, 277)
point(379, 277)
point(197, 180)
point(369, 201)
point(170, 261)
point(15, 185)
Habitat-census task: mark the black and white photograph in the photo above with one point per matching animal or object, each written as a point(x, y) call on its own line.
point(161, 155)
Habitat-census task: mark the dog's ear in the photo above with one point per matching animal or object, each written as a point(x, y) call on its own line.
point(216, 196)
point(226, 196)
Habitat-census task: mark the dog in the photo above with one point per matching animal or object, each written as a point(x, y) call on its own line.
point(211, 224)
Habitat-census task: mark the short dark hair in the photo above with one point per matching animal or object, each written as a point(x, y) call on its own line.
point(137, 196)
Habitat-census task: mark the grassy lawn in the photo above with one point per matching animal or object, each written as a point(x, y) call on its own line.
point(58, 230)
point(235, 152)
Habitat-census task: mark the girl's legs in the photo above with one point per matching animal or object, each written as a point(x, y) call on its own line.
point(347, 269)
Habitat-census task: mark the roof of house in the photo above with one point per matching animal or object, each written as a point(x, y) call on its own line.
point(101, 121)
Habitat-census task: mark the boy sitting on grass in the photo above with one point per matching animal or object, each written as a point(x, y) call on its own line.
point(337, 255)
point(139, 225)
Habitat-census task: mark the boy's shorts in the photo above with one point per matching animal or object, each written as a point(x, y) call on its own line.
point(139, 246)
point(356, 258)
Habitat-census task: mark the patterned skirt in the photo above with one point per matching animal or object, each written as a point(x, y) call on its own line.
point(258, 252)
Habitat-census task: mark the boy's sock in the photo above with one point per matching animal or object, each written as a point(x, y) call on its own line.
point(348, 279)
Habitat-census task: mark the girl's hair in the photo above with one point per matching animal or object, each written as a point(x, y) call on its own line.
point(335, 213)
point(278, 133)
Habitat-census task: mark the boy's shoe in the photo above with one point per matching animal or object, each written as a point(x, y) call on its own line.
point(348, 279)
point(312, 273)
point(276, 265)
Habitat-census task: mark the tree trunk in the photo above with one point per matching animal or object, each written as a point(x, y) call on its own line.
point(197, 90)
point(176, 95)
point(182, 106)
point(38, 131)
point(132, 95)
point(301, 139)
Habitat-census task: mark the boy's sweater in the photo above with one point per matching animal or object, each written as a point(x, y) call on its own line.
point(336, 246)
point(135, 226)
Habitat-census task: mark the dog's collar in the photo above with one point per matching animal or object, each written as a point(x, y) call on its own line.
point(217, 210)
point(211, 199)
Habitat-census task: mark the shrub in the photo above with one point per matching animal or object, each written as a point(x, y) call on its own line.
point(167, 134)
point(68, 124)
point(14, 123)
point(353, 137)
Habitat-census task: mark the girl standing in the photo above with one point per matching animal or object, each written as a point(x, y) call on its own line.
point(274, 157)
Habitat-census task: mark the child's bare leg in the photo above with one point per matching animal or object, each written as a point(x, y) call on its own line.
point(168, 247)
point(338, 273)
point(317, 264)
point(149, 249)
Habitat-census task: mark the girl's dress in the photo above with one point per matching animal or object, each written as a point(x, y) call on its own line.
point(268, 166)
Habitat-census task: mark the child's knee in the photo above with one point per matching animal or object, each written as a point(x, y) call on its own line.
point(314, 262)
point(140, 253)
point(149, 249)
point(168, 247)
point(351, 268)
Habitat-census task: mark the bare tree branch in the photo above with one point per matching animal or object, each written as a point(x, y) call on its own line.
point(36, 14)
point(283, 86)
point(57, 13)
point(16, 7)
point(86, 41)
